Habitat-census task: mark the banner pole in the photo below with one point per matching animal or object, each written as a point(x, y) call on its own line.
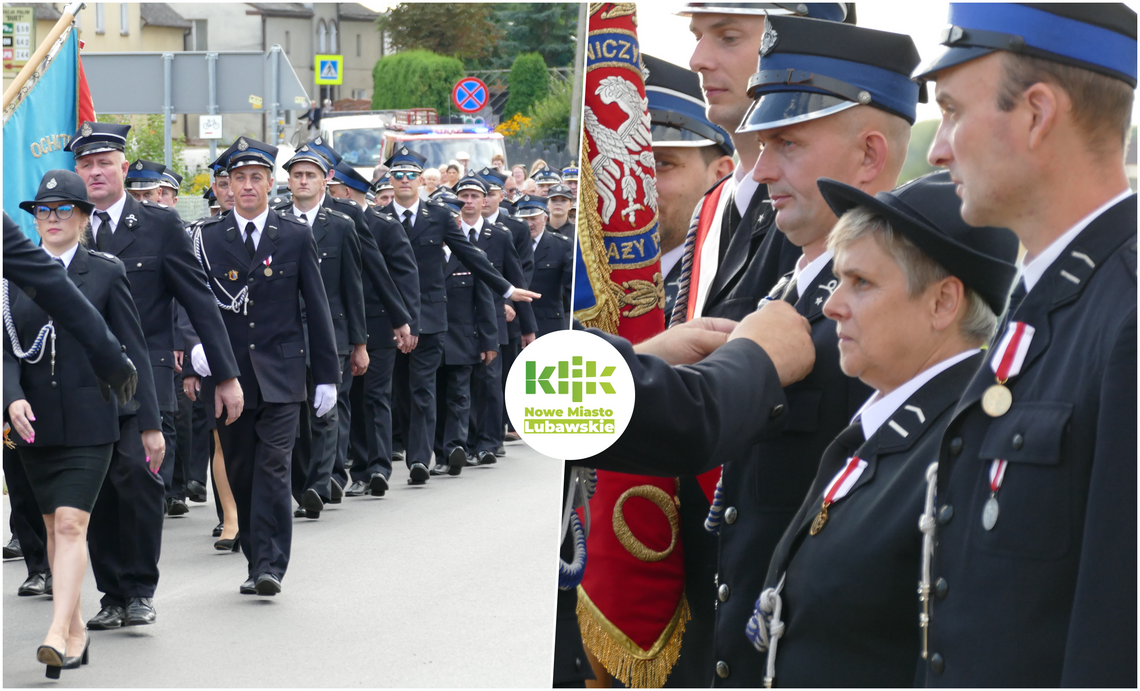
point(41, 51)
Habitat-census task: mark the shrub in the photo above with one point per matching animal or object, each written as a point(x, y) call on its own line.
point(415, 79)
point(529, 83)
point(550, 117)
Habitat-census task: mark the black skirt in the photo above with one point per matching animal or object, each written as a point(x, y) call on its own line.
point(66, 475)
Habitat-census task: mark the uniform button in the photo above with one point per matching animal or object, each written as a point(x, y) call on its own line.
point(941, 587)
point(302, 351)
point(249, 302)
point(123, 348)
point(730, 515)
point(251, 325)
point(955, 446)
point(139, 265)
point(777, 411)
point(162, 359)
point(251, 279)
point(1018, 442)
point(577, 664)
point(937, 664)
point(54, 385)
point(945, 514)
point(252, 347)
point(722, 592)
point(722, 669)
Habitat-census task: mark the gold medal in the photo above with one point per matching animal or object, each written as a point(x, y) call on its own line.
point(820, 520)
point(268, 272)
point(997, 400)
point(232, 275)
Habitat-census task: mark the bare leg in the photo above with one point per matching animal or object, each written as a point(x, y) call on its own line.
point(56, 635)
point(67, 555)
point(225, 495)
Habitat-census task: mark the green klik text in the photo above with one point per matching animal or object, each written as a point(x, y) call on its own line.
point(574, 378)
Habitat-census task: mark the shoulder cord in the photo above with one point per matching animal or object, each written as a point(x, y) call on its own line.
point(716, 511)
point(36, 352)
point(765, 628)
point(583, 482)
point(926, 525)
point(238, 302)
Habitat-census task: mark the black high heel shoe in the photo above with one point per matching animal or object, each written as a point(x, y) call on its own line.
point(232, 545)
point(52, 658)
point(81, 659)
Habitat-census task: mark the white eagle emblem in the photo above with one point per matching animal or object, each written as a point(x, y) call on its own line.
point(86, 130)
point(51, 184)
point(769, 39)
point(622, 153)
point(242, 144)
point(138, 166)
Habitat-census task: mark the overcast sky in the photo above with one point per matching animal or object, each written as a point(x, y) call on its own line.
point(665, 35)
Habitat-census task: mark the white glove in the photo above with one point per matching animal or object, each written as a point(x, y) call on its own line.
point(198, 359)
point(324, 399)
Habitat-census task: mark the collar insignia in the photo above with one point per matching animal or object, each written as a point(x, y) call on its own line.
point(131, 218)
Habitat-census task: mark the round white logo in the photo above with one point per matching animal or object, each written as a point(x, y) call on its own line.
point(570, 395)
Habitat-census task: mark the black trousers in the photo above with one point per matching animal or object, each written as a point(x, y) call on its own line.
point(166, 470)
point(316, 447)
point(257, 448)
point(453, 391)
point(180, 454)
point(423, 363)
point(509, 353)
point(26, 521)
point(486, 427)
point(371, 397)
point(344, 415)
point(125, 533)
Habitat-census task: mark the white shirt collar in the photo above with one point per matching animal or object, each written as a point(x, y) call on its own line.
point(804, 276)
point(878, 409)
point(467, 229)
point(67, 256)
point(1033, 270)
point(115, 211)
point(401, 209)
point(258, 223)
point(746, 186)
point(310, 214)
point(493, 218)
point(534, 241)
point(670, 258)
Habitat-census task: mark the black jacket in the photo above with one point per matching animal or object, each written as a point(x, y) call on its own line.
point(67, 404)
point(268, 336)
point(397, 251)
point(520, 236)
point(496, 242)
point(1048, 597)
point(850, 609)
point(471, 324)
point(553, 272)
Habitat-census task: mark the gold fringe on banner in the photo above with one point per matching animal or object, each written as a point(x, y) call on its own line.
point(604, 314)
point(624, 659)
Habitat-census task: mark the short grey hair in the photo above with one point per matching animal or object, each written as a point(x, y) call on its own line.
point(979, 320)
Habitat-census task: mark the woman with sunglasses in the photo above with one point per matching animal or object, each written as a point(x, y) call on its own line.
point(64, 429)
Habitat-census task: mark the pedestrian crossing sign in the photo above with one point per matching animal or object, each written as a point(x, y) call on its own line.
point(329, 69)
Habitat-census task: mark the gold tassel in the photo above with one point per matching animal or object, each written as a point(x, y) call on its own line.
point(624, 659)
point(604, 314)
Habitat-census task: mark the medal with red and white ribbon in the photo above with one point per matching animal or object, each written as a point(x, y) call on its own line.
point(990, 510)
point(1006, 362)
point(838, 488)
point(268, 269)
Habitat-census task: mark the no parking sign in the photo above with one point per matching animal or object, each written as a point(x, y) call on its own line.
point(470, 94)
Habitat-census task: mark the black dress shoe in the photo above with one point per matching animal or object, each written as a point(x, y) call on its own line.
point(487, 458)
point(456, 461)
point(81, 659)
point(140, 611)
point(378, 484)
point(12, 549)
point(501, 451)
point(397, 456)
point(48, 584)
point(231, 545)
point(471, 461)
point(336, 492)
point(178, 507)
point(267, 584)
point(300, 512)
point(418, 474)
point(110, 617)
point(35, 584)
point(356, 489)
point(218, 529)
point(196, 492)
point(439, 469)
point(511, 436)
point(248, 588)
point(312, 503)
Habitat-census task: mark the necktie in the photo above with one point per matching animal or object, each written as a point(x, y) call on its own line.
point(249, 228)
point(407, 220)
point(472, 236)
point(103, 238)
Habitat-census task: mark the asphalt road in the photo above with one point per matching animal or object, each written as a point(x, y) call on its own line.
point(449, 584)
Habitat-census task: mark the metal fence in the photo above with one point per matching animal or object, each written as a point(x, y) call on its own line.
point(528, 152)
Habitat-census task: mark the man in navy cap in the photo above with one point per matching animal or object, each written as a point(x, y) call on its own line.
point(142, 180)
point(429, 227)
point(126, 525)
point(168, 186)
point(831, 100)
point(553, 267)
point(260, 265)
point(545, 178)
point(385, 193)
point(729, 222)
point(570, 178)
point(338, 251)
point(1034, 557)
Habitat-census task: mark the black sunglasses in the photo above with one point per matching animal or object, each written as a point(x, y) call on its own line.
point(62, 212)
point(400, 175)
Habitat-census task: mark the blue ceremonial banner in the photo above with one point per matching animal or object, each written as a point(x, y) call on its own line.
point(38, 129)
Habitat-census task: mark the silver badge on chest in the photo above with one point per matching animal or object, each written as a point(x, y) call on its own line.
point(990, 513)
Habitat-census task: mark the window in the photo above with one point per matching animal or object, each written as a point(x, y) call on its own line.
point(358, 45)
point(332, 38)
point(100, 19)
point(124, 19)
point(322, 38)
point(287, 43)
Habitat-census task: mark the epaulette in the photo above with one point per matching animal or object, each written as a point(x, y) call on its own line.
point(384, 215)
point(290, 216)
point(153, 205)
point(338, 214)
point(105, 256)
point(209, 220)
point(349, 201)
point(560, 236)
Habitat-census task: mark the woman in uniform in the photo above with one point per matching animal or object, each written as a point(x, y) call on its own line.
point(65, 429)
point(919, 294)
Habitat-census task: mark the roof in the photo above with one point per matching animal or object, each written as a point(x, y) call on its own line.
point(43, 10)
point(161, 14)
point(355, 12)
point(281, 9)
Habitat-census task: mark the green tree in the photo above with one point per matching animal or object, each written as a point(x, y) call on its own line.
point(462, 30)
point(549, 29)
point(921, 136)
point(145, 141)
point(529, 83)
point(550, 117)
point(415, 79)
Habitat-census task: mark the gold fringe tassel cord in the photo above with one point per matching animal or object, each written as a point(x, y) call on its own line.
point(604, 314)
point(624, 659)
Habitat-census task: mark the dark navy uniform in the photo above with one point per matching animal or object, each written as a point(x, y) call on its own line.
point(268, 336)
point(553, 271)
